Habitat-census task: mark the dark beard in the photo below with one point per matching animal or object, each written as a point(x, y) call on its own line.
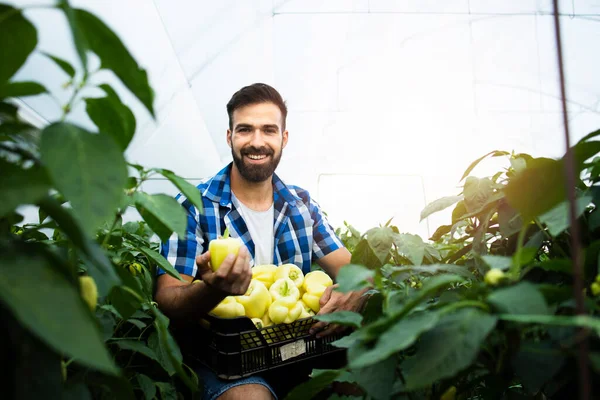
point(256, 173)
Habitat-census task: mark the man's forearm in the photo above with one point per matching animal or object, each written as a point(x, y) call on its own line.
point(188, 301)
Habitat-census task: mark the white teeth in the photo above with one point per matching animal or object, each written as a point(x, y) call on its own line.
point(256, 157)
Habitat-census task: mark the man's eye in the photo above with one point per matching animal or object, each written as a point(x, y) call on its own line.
point(244, 130)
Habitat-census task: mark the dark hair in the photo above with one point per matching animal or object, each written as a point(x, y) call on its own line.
point(254, 94)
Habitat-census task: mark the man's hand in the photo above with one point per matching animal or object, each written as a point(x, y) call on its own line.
point(233, 276)
point(332, 301)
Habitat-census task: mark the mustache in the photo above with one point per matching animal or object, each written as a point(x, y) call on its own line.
point(257, 150)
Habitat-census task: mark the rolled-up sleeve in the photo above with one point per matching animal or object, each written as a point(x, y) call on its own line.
point(182, 252)
point(325, 240)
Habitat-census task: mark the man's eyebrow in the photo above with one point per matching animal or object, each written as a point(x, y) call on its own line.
point(243, 126)
point(274, 126)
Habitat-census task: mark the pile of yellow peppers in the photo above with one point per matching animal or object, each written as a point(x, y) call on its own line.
point(277, 295)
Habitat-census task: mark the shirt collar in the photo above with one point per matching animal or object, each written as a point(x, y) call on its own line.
point(219, 189)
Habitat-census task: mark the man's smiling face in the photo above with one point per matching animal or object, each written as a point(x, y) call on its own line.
point(256, 140)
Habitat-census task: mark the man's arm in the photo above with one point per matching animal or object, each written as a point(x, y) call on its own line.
point(334, 261)
point(181, 300)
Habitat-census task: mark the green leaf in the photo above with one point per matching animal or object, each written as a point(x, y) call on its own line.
point(62, 64)
point(430, 287)
point(18, 38)
point(124, 301)
point(351, 340)
point(346, 318)
point(538, 188)
point(88, 169)
point(377, 379)
point(99, 267)
point(114, 56)
point(558, 218)
point(50, 305)
point(79, 39)
point(584, 321)
point(398, 337)
point(113, 118)
point(169, 351)
point(8, 112)
point(495, 153)
point(21, 89)
point(499, 262)
point(363, 254)
point(536, 364)
point(191, 192)
point(410, 246)
point(353, 277)
point(556, 265)
point(138, 347)
point(522, 298)
point(477, 192)
point(167, 390)
point(459, 211)
point(448, 348)
point(509, 220)
point(20, 186)
point(163, 214)
point(439, 205)
point(319, 380)
point(147, 386)
point(439, 232)
point(380, 240)
point(404, 272)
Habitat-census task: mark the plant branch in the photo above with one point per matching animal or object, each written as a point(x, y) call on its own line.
point(576, 250)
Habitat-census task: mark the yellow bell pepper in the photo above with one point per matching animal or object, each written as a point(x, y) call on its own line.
point(285, 310)
point(228, 308)
point(264, 273)
point(319, 277)
point(312, 296)
point(256, 301)
point(89, 291)
point(258, 323)
point(306, 311)
point(266, 320)
point(494, 276)
point(290, 271)
point(284, 288)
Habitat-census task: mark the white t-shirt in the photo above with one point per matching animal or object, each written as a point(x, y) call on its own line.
point(260, 226)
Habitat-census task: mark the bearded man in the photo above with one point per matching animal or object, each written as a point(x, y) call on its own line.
point(277, 223)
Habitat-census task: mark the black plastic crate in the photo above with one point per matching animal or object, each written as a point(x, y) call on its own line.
point(235, 348)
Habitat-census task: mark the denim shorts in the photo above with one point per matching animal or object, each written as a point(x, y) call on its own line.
point(215, 387)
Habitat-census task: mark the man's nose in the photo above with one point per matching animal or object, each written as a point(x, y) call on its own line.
point(257, 138)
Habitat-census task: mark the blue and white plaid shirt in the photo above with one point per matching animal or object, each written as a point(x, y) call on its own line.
point(302, 232)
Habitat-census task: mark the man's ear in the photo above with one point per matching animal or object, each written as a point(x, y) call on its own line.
point(284, 139)
point(229, 137)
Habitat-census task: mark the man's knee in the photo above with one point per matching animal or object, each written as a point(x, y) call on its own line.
point(247, 392)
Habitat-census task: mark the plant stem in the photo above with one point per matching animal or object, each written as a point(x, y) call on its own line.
point(576, 250)
point(106, 238)
point(465, 303)
point(515, 269)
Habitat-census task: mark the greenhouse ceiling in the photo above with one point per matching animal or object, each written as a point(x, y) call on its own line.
point(388, 100)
